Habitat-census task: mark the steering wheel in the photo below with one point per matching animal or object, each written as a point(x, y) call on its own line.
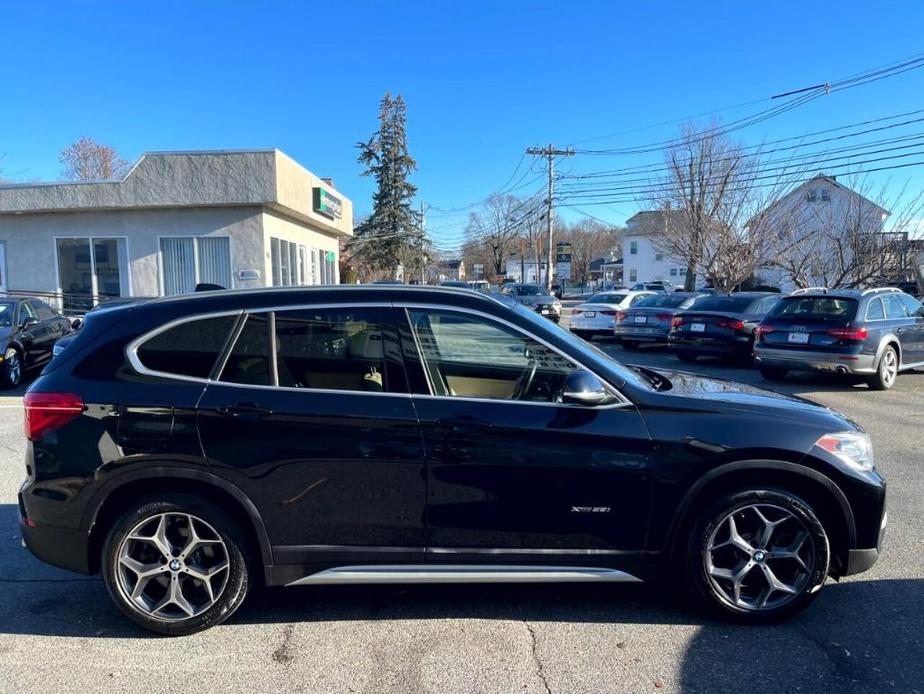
point(525, 380)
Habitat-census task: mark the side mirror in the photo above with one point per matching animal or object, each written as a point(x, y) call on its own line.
point(584, 388)
point(29, 322)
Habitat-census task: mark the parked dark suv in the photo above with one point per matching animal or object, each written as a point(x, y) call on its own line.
point(190, 448)
point(872, 332)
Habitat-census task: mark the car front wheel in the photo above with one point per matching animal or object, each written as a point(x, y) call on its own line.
point(11, 373)
point(758, 555)
point(175, 565)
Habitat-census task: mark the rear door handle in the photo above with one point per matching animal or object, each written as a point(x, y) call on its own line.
point(245, 410)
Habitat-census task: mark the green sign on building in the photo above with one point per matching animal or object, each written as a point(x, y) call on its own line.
point(327, 204)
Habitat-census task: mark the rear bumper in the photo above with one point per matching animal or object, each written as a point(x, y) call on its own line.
point(65, 548)
point(639, 334)
point(804, 360)
point(730, 348)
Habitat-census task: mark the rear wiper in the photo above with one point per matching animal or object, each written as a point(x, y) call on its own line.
point(657, 381)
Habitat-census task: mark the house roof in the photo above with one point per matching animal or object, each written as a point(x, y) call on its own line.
point(220, 178)
point(802, 186)
point(649, 222)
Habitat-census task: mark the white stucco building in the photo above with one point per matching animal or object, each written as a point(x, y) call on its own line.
point(177, 219)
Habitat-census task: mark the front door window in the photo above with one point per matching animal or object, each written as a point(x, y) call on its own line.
point(90, 271)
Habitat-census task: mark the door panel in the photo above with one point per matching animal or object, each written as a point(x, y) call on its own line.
point(520, 475)
point(332, 455)
point(517, 470)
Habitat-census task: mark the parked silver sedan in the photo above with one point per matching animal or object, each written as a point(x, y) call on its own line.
point(649, 320)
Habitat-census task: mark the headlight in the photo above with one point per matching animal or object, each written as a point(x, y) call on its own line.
point(852, 447)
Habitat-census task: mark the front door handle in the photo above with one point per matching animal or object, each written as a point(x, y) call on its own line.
point(464, 424)
point(244, 410)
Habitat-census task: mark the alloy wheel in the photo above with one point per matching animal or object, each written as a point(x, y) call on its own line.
point(172, 566)
point(759, 557)
point(13, 367)
point(889, 367)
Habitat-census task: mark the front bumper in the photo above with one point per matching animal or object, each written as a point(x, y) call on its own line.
point(805, 360)
point(860, 560)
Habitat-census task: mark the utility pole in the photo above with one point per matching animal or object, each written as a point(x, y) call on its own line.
point(549, 153)
point(420, 241)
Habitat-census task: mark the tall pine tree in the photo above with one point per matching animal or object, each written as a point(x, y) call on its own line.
point(391, 235)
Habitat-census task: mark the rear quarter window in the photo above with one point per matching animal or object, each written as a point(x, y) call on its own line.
point(188, 349)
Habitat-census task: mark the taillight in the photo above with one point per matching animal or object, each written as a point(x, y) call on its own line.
point(620, 315)
point(46, 412)
point(577, 311)
point(663, 316)
point(763, 330)
point(676, 322)
point(848, 333)
point(730, 324)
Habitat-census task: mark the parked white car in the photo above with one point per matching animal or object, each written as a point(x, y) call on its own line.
point(597, 315)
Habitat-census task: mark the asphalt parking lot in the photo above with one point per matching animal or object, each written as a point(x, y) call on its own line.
point(58, 631)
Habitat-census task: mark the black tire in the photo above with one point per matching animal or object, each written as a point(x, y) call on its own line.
point(11, 372)
point(709, 591)
point(686, 356)
point(233, 589)
point(773, 373)
point(881, 379)
point(630, 346)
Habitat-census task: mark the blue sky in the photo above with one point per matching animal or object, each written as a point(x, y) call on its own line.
point(483, 80)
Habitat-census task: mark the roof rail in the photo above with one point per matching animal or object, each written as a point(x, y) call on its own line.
point(877, 290)
point(809, 290)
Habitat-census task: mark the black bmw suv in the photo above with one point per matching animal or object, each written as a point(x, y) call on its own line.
point(190, 448)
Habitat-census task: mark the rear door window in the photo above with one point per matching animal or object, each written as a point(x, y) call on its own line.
point(249, 360)
point(188, 349)
point(334, 349)
point(894, 306)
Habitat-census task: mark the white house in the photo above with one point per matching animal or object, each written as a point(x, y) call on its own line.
point(643, 260)
point(815, 216)
point(525, 270)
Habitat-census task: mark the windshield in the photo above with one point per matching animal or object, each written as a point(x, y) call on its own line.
point(7, 308)
point(666, 301)
point(728, 304)
point(815, 308)
point(529, 290)
point(606, 298)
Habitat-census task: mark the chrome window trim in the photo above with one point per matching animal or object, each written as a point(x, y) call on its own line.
point(131, 352)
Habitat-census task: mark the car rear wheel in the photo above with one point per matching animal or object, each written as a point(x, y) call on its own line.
point(758, 555)
point(772, 373)
point(686, 356)
point(886, 372)
point(175, 565)
point(11, 373)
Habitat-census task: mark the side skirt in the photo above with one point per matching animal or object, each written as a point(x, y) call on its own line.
point(462, 573)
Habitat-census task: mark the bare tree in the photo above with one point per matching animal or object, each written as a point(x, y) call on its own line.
point(589, 240)
point(856, 235)
point(494, 230)
point(707, 197)
point(88, 160)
